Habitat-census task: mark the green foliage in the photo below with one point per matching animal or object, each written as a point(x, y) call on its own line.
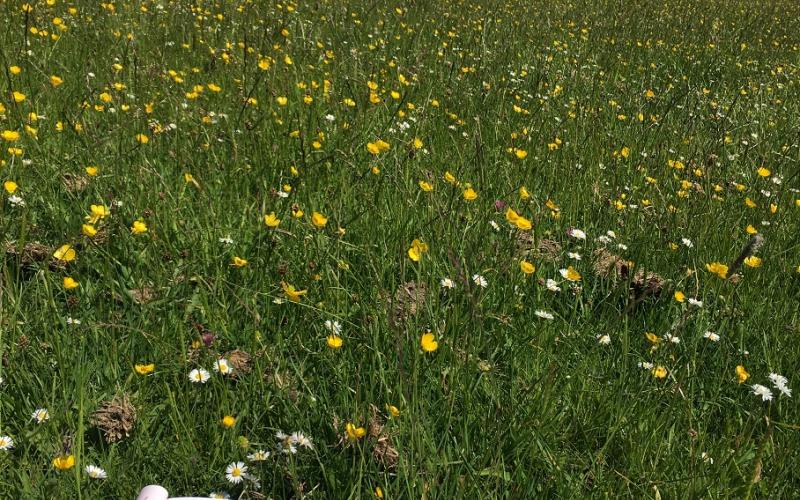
point(651, 120)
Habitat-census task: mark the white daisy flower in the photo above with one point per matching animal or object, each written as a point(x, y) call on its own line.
point(223, 366)
point(258, 456)
point(6, 443)
point(95, 472)
point(603, 339)
point(447, 283)
point(73, 321)
point(713, 337)
point(672, 338)
point(574, 255)
point(199, 376)
point(41, 415)
point(603, 239)
point(235, 471)
point(226, 240)
point(544, 314)
point(695, 302)
point(687, 242)
point(300, 439)
point(646, 365)
point(552, 285)
point(576, 233)
point(16, 201)
point(480, 280)
point(764, 392)
point(333, 326)
point(780, 382)
point(494, 225)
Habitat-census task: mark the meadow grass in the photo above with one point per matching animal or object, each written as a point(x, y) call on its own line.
point(305, 190)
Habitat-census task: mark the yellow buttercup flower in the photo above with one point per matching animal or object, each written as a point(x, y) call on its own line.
point(271, 220)
point(56, 81)
point(679, 296)
point(143, 369)
point(65, 253)
point(318, 220)
point(470, 194)
point(64, 462)
point(99, 212)
point(418, 248)
point(228, 421)
point(138, 227)
point(753, 261)
point(238, 262)
point(741, 374)
point(659, 372)
point(718, 268)
point(88, 230)
point(378, 147)
point(291, 293)
point(10, 135)
point(526, 267)
point(70, 283)
point(428, 342)
point(355, 433)
point(10, 186)
point(570, 274)
point(334, 341)
point(425, 186)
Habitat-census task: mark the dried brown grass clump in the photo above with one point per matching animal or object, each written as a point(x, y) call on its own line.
point(407, 302)
point(607, 265)
point(240, 360)
point(549, 250)
point(647, 284)
point(384, 451)
point(115, 418)
point(142, 295)
point(74, 183)
point(525, 245)
point(31, 253)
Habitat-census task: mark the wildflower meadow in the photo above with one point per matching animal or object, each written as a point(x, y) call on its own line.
point(426, 249)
